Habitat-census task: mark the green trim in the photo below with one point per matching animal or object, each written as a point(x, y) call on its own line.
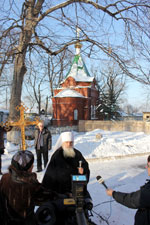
point(76, 61)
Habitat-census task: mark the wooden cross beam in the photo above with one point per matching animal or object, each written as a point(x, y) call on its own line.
point(22, 123)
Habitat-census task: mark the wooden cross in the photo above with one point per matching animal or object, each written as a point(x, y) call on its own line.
point(22, 123)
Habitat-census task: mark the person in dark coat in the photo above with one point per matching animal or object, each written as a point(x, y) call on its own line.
point(20, 191)
point(64, 162)
point(3, 129)
point(42, 143)
point(139, 199)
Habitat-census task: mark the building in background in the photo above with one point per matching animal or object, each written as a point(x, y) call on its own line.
point(76, 97)
point(146, 116)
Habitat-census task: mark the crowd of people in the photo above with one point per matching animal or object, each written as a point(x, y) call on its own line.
point(21, 192)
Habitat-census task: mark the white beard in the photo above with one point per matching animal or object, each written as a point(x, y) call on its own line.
point(68, 152)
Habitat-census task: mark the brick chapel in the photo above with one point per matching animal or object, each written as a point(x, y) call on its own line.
point(76, 97)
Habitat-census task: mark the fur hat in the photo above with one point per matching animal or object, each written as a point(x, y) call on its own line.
point(22, 160)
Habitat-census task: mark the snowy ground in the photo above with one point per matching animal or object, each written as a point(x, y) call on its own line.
point(119, 157)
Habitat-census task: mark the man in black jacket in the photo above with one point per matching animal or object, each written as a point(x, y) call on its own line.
point(136, 200)
point(42, 143)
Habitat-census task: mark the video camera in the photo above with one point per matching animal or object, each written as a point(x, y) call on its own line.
point(79, 183)
point(50, 212)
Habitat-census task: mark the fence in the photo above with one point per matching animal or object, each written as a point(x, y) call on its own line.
point(132, 126)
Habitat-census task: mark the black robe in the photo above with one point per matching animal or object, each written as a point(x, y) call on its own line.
point(58, 174)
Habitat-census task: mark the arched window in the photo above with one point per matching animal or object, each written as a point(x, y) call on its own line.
point(75, 114)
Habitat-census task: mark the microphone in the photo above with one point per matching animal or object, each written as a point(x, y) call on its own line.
point(80, 164)
point(101, 181)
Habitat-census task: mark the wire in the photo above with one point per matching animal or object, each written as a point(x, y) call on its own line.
point(104, 219)
point(103, 203)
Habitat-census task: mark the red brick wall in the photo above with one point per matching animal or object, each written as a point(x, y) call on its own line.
point(64, 122)
point(63, 108)
point(70, 81)
point(83, 91)
point(87, 92)
point(83, 83)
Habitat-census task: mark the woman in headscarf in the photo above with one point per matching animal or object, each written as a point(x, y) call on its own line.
point(20, 191)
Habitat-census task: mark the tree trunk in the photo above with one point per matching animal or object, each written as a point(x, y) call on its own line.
point(31, 10)
point(19, 72)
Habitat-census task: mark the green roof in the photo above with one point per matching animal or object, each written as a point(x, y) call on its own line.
point(80, 65)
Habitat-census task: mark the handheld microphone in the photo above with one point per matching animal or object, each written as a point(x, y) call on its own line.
point(80, 164)
point(101, 181)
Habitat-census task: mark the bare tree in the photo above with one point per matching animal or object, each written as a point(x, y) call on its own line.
point(55, 67)
point(35, 86)
point(111, 86)
point(130, 109)
point(5, 89)
point(44, 74)
point(50, 26)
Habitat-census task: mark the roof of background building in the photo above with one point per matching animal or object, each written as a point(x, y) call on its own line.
point(68, 93)
point(79, 71)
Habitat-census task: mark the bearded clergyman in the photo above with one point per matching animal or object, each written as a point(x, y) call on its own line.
point(65, 161)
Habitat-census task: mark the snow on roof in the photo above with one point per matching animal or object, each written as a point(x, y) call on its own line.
point(74, 87)
point(68, 93)
point(78, 70)
point(123, 114)
point(79, 75)
point(138, 114)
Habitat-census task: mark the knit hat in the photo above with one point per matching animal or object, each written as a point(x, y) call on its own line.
point(22, 160)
